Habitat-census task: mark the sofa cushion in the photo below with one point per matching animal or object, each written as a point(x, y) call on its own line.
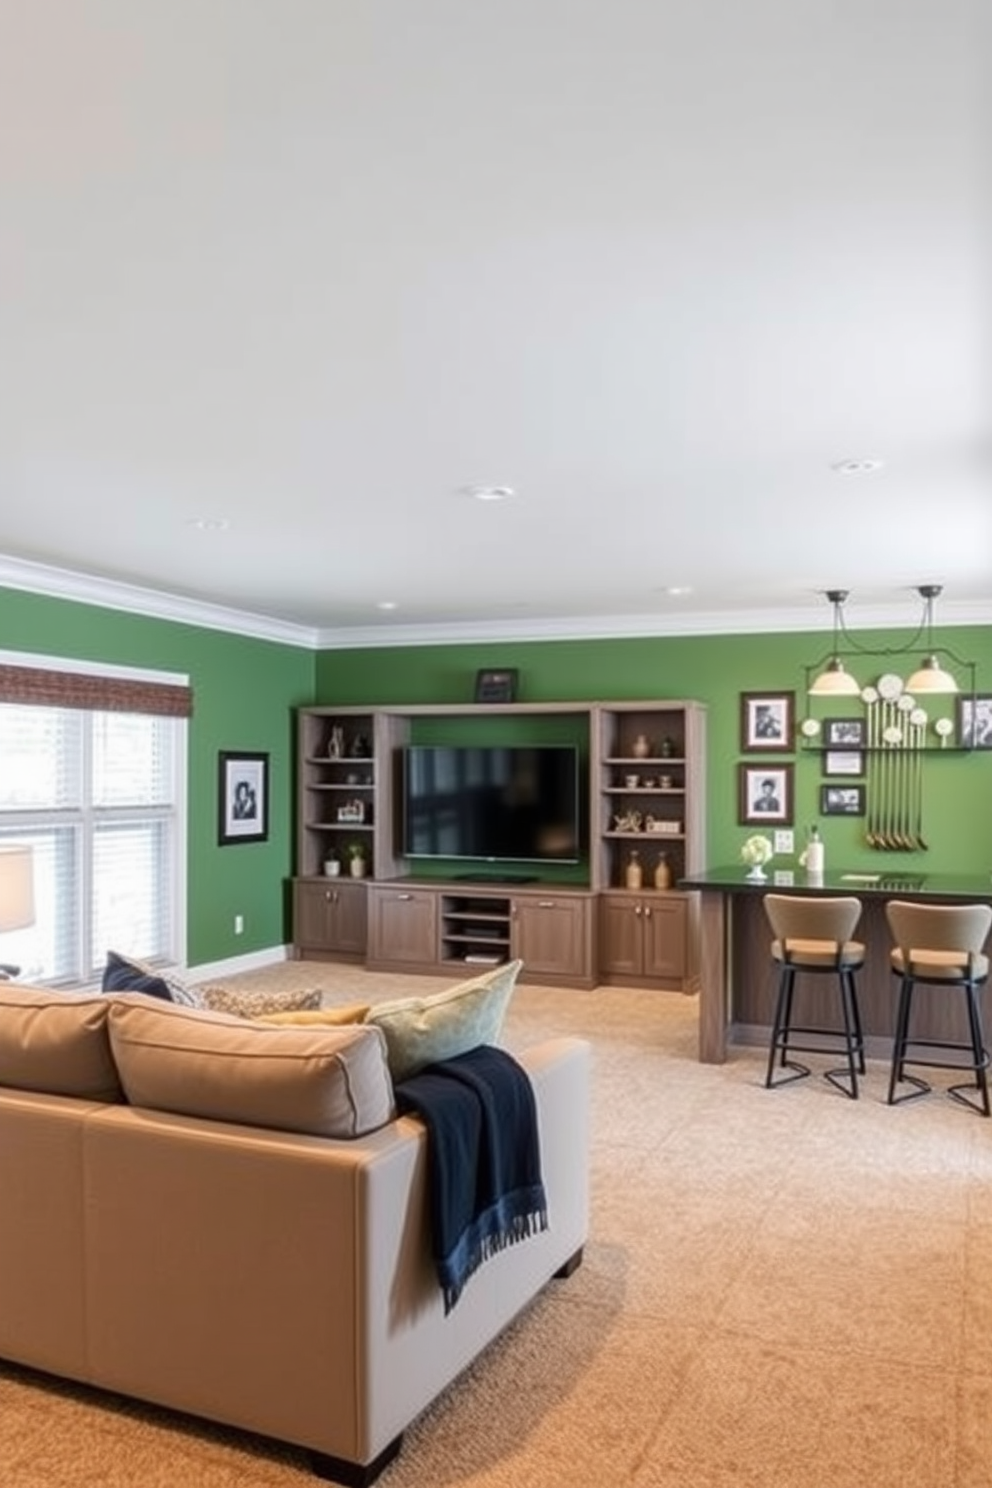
point(244, 1004)
point(327, 1017)
point(330, 1082)
point(56, 1043)
point(421, 1030)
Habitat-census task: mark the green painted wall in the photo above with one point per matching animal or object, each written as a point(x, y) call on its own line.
point(244, 695)
point(246, 691)
point(713, 670)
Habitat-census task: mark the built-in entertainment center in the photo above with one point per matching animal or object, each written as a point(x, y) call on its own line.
point(454, 837)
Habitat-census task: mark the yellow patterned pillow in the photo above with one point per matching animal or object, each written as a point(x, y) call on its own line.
point(421, 1030)
point(329, 1017)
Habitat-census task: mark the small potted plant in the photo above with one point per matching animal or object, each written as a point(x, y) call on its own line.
point(332, 863)
point(356, 859)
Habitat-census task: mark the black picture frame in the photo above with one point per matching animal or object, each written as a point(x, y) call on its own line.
point(842, 800)
point(496, 685)
point(844, 733)
point(844, 762)
point(242, 797)
point(768, 722)
point(975, 721)
point(764, 794)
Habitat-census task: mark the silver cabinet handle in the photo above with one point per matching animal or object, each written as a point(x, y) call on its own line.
point(545, 904)
point(637, 909)
point(404, 896)
point(647, 911)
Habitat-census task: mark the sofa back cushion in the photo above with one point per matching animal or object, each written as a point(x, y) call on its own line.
point(329, 1082)
point(56, 1042)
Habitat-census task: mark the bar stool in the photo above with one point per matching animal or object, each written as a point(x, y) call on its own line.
point(814, 935)
point(940, 945)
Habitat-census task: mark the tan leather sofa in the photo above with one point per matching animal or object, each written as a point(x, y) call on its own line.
point(269, 1279)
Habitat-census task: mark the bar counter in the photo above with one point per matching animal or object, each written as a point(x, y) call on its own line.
point(737, 981)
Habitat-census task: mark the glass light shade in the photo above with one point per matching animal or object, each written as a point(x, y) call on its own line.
point(931, 677)
point(16, 888)
point(833, 681)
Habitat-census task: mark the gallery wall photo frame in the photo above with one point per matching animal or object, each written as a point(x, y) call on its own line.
point(768, 722)
point(842, 800)
point(844, 733)
point(975, 721)
point(242, 796)
point(764, 794)
point(843, 762)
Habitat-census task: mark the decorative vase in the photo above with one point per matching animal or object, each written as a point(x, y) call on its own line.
point(332, 868)
point(641, 747)
point(358, 867)
point(756, 874)
point(634, 876)
point(663, 873)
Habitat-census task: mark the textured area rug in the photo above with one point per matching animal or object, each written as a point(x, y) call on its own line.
point(781, 1288)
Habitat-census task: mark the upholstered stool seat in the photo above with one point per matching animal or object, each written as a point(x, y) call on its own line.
point(814, 935)
point(940, 945)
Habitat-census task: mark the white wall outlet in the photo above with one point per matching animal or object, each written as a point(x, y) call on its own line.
point(239, 920)
point(785, 842)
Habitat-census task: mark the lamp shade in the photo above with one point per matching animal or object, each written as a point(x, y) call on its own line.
point(930, 677)
point(16, 888)
point(833, 681)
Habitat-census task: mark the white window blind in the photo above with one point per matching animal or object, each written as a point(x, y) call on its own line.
point(100, 796)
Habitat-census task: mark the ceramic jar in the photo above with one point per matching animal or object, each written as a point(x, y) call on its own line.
point(663, 873)
point(641, 747)
point(634, 876)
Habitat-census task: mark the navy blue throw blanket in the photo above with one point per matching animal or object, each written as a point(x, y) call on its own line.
point(484, 1159)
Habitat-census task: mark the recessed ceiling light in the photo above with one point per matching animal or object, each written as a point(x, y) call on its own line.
point(857, 466)
point(678, 591)
point(489, 493)
point(209, 524)
point(386, 604)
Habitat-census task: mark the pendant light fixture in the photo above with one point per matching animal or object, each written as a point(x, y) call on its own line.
point(833, 680)
point(930, 676)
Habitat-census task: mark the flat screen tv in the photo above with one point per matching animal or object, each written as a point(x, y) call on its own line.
point(497, 804)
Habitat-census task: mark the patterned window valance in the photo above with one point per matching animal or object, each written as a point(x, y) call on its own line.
point(51, 689)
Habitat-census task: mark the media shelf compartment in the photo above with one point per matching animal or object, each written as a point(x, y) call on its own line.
point(475, 930)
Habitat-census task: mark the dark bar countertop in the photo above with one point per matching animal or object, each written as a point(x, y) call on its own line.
point(877, 884)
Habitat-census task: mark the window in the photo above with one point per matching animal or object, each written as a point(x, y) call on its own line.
point(100, 796)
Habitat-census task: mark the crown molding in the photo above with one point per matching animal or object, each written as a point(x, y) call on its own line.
point(111, 594)
point(792, 621)
point(61, 583)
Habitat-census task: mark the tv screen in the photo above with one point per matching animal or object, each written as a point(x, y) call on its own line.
point(495, 803)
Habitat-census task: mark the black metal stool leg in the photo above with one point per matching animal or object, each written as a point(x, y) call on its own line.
point(898, 1075)
point(848, 1002)
point(979, 1055)
point(781, 1030)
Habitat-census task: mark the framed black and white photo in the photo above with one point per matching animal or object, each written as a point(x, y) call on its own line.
point(975, 722)
point(496, 686)
point(842, 800)
point(242, 797)
point(844, 733)
point(844, 762)
point(767, 722)
point(764, 794)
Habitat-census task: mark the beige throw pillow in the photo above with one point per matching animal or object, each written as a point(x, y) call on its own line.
point(330, 1082)
point(244, 1004)
point(421, 1030)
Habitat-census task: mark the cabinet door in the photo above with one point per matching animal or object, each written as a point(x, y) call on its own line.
point(664, 922)
point(621, 935)
point(403, 926)
point(329, 916)
point(550, 935)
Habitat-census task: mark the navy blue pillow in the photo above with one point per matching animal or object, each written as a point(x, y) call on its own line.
point(121, 975)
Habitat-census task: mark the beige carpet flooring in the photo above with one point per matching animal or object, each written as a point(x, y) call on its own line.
point(780, 1288)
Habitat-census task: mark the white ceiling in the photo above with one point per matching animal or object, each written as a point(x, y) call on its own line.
point(311, 268)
